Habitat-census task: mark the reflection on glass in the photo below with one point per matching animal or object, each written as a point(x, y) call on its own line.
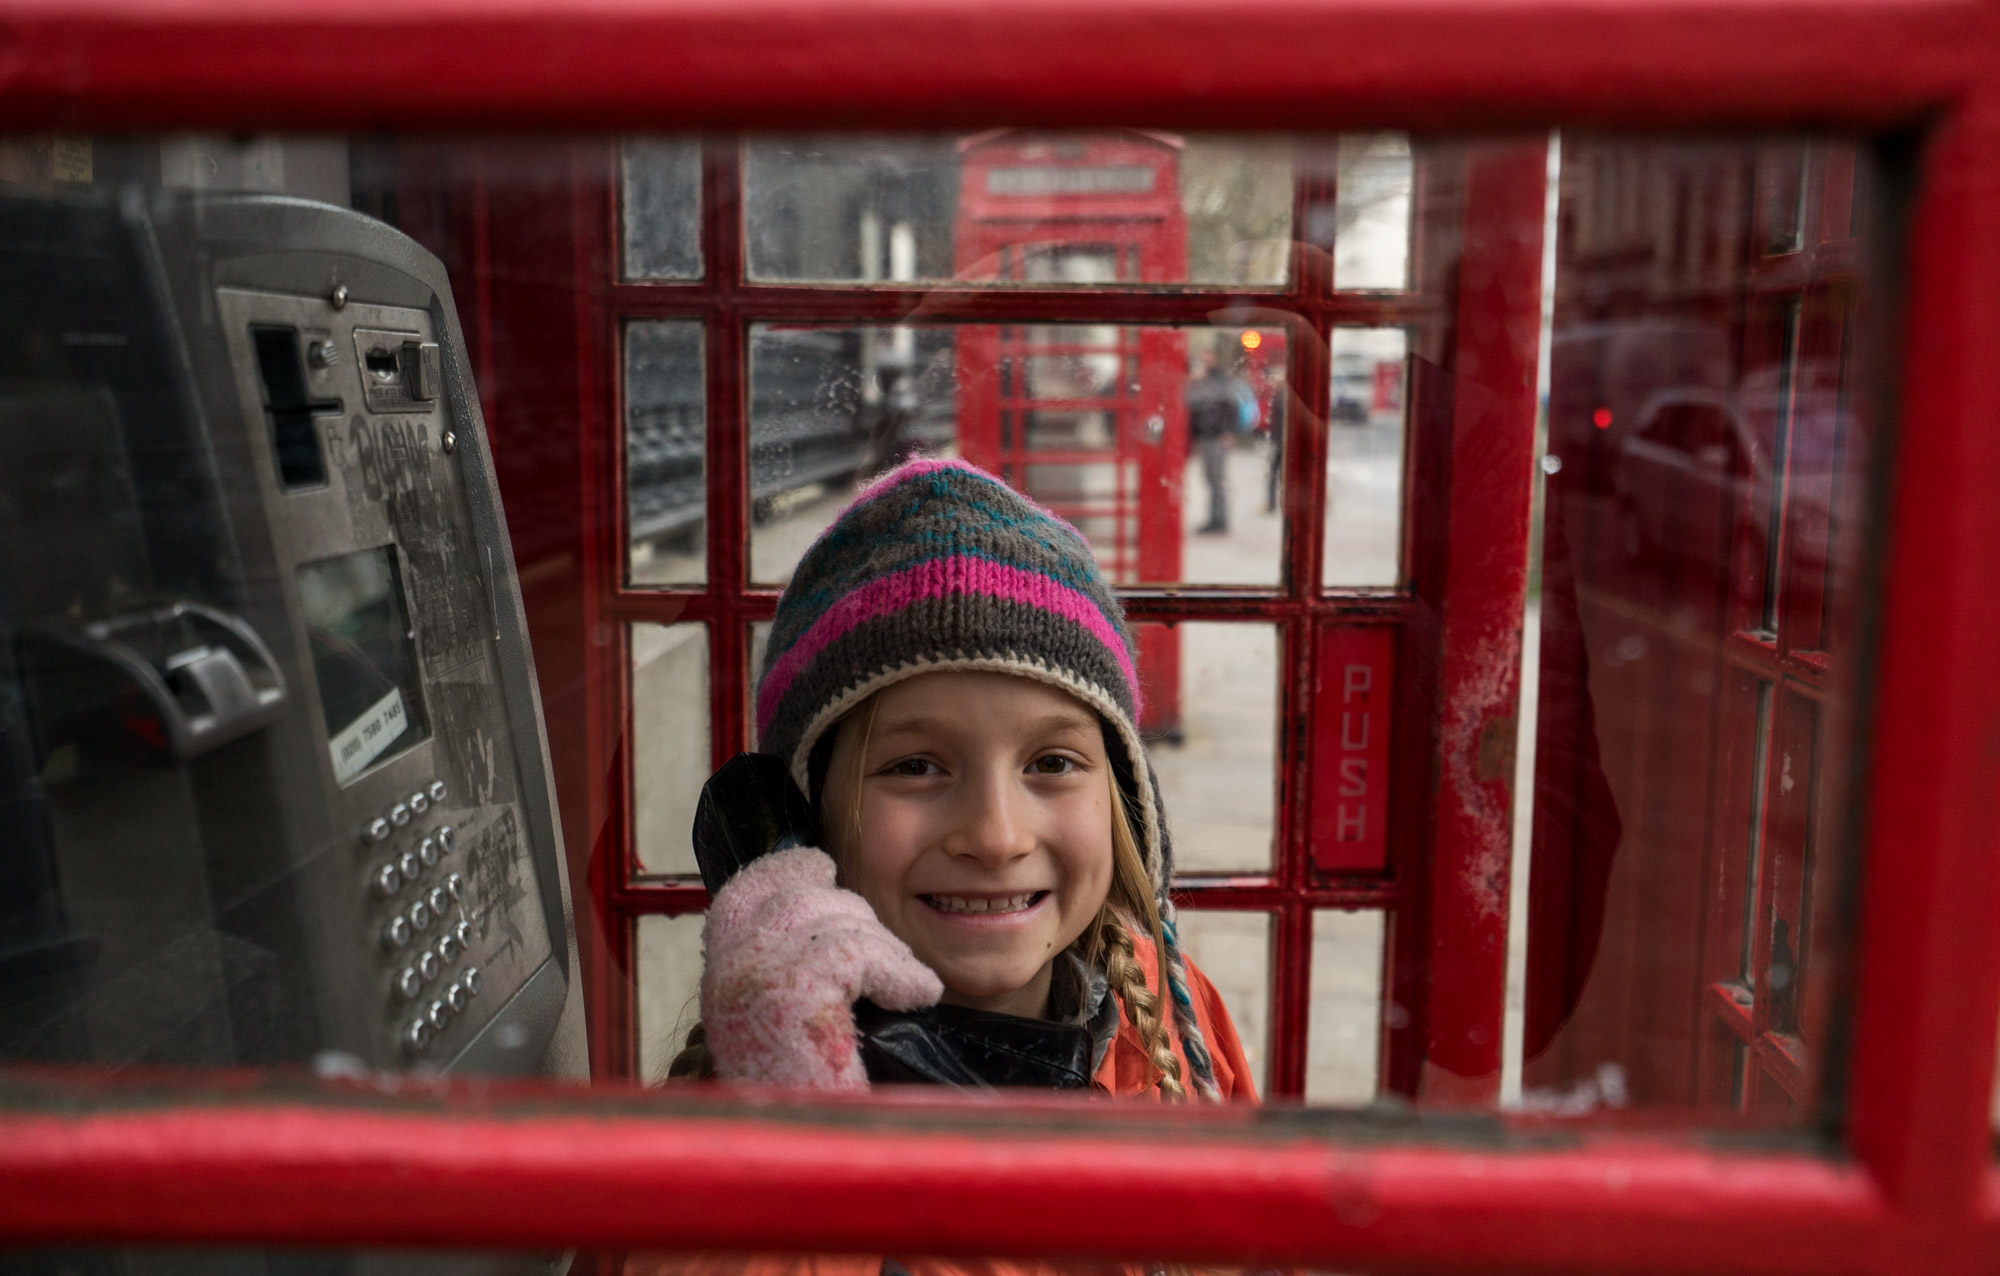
point(1701, 544)
point(669, 983)
point(670, 747)
point(666, 444)
point(1371, 231)
point(1211, 715)
point(1014, 206)
point(1234, 950)
point(661, 208)
point(1156, 443)
point(1364, 459)
point(1344, 1032)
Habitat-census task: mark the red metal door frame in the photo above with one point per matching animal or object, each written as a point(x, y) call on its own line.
point(1921, 1189)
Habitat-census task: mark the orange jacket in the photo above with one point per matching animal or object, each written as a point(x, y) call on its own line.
point(1125, 1073)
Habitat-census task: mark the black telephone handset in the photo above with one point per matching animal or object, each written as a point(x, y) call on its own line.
point(750, 808)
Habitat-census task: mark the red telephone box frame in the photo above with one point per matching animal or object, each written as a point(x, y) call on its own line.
point(1906, 1178)
point(1146, 231)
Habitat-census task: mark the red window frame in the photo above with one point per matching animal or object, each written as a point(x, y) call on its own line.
point(1443, 968)
point(1902, 1175)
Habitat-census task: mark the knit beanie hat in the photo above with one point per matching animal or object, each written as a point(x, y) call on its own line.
point(938, 565)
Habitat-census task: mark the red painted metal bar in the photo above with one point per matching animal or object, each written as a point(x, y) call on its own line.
point(611, 996)
point(780, 63)
point(1486, 570)
point(621, 1169)
point(954, 303)
point(1928, 993)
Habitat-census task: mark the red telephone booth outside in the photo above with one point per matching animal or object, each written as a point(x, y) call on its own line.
point(1087, 419)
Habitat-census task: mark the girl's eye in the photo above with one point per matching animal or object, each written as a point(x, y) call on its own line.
point(910, 767)
point(1053, 764)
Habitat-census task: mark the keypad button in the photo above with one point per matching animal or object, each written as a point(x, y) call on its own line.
point(440, 900)
point(396, 933)
point(437, 790)
point(449, 949)
point(428, 852)
point(409, 983)
point(387, 881)
point(471, 980)
point(454, 886)
point(463, 933)
point(378, 831)
point(429, 967)
point(399, 815)
point(417, 1036)
point(446, 836)
point(458, 997)
point(438, 1016)
point(411, 865)
point(421, 916)
point(420, 802)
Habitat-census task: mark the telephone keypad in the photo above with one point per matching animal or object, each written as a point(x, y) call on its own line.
point(428, 911)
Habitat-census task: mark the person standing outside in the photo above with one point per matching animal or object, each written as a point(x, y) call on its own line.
point(1213, 414)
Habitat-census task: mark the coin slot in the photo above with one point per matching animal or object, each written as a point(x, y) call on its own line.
point(290, 407)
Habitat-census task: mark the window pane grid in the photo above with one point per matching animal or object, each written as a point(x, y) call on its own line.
point(730, 307)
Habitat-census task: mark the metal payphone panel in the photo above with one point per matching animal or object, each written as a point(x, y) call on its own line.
point(392, 592)
point(270, 749)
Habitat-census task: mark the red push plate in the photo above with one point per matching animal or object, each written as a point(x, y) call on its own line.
point(1353, 690)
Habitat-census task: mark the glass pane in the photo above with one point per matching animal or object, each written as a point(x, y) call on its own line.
point(670, 745)
point(1211, 717)
point(1015, 207)
point(1364, 459)
point(1156, 443)
point(666, 442)
point(669, 979)
point(1371, 232)
point(1343, 1039)
point(662, 208)
point(1693, 826)
point(1234, 950)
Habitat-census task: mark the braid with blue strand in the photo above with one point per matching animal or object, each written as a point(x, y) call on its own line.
point(1193, 1044)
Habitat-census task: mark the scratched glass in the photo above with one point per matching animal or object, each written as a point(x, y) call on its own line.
point(666, 454)
point(1367, 425)
point(280, 523)
point(660, 207)
point(1020, 208)
point(1211, 726)
point(1693, 823)
point(670, 750)
point(1161, 445)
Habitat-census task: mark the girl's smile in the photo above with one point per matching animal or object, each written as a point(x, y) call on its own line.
point(973, 812)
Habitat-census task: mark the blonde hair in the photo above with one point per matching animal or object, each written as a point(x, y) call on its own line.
point(1106, 942)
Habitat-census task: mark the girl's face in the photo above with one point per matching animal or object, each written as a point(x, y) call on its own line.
point(984, 837)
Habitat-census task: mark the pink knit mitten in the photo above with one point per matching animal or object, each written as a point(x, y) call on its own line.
point(785, 955)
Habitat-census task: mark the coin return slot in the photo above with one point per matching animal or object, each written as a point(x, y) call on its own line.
point(383, 365)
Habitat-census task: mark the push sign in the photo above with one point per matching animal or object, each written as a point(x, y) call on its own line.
point(1350, 795)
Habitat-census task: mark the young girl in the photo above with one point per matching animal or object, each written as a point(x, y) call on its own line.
point(952, 683)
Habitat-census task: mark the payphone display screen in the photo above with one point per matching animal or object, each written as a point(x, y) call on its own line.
point(363, 658)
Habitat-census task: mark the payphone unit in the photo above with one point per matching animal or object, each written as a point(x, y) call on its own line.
point(273, 784)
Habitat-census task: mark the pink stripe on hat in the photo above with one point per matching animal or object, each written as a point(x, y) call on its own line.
point(936, 578)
